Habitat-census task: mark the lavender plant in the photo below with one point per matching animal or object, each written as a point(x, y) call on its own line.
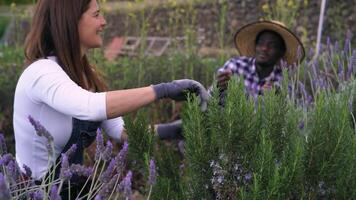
point(105, 179)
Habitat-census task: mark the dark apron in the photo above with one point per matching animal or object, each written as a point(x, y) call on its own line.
point(83, 134)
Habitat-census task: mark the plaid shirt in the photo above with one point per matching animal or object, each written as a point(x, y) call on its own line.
point(245, 67)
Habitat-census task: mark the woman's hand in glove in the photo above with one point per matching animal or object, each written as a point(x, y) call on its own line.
point(178, 90)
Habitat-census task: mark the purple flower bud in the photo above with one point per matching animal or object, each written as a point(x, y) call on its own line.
point(108, 151)
point(81, 170)
point(97, 197)
point(99, 144)
point(247, 178)
point(42, 132)
point(28, 171)
point(347, 46)
point(13, 171)
point(315, 70)
point(302, 88)
point(340, 71)
point(153, 175)
point(5, 159)
point(310, 53)
point(4, 189)
point(107, 174)
point(54, 193)
point(71, 150)
point(38, 195)
point(108, 187)
point(336, 47)
point(121, 156)
point(3, 148)
point(125, 185)
point(301, 125)
point(65, 173)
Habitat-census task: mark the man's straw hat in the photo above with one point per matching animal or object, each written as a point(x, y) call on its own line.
point(245, 39)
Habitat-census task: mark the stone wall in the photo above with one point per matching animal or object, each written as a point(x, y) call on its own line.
point(206, 19)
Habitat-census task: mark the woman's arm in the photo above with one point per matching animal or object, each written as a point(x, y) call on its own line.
point(121, 102)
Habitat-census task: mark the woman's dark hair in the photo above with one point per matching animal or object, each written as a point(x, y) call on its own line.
point(283, 44)
point(54, 32)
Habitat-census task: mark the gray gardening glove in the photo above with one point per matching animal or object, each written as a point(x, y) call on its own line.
point(172, 130)
point(178, 90)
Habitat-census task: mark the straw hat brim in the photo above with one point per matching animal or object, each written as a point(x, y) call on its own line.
point(245, 39)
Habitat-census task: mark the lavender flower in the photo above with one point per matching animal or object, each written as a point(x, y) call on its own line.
point(340, 71)
point(301, 125)
point(81, 170)
point(42, 132)
point(121, 156)
point(302, 88)
point(13, 171)
point(107, 174)
point(108, 151)
point(54, 193)
point(3, 148)
point(5, 159)
point(336, 46)
point(125, 185)
point(28, 171)
point(71, 150)
point(65, 172)
point(4, 189)
point(38, 195)
point(97, 197)
point(247, 178)
point(99, 144)
point(108, 187)
point(153, 174)
point(347, 45)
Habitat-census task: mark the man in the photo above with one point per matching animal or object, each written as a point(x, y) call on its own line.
point(263, 47)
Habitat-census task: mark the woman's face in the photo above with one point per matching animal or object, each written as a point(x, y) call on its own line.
point(90, 25)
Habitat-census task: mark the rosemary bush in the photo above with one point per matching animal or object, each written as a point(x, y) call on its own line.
point(270, 147)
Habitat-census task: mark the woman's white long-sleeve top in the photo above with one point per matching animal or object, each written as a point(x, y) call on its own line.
point(45, 92)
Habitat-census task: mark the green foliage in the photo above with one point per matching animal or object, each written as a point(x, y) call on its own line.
point(141, 140)
point(4, 21)
point(272, 148)
point(196, 152)
point(11, 65)
point(8, 2)
point(284, 11)
point(169, 183)
point(143, 147)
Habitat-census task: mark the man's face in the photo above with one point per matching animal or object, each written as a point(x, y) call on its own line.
point(269, 49)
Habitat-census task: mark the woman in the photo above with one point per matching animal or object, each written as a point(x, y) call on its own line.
point(66, 94)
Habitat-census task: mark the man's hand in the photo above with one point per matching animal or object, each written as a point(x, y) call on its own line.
point(223, 78)
point(267, 86)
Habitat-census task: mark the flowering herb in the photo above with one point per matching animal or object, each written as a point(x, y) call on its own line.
point(99, 144)
point(65, 172)
point(153, 174)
